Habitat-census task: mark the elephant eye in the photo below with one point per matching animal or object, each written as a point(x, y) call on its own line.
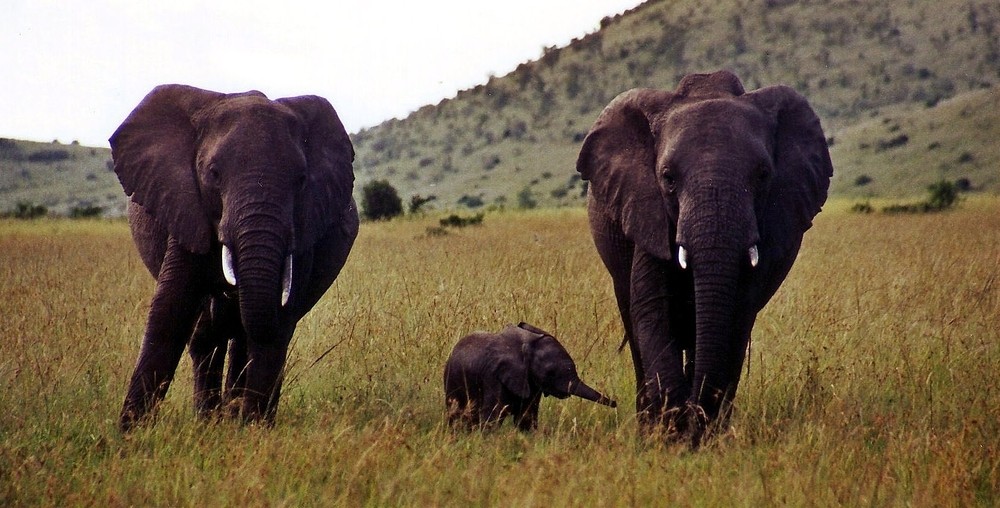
point(763, 173)
point(213, 174)
point(670, 183)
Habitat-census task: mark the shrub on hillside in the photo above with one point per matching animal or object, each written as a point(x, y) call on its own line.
point(379, 200)
point(48, 156)
point(25, 210)
point(942, 196)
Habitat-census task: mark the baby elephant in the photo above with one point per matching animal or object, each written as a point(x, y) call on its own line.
point(492, 375)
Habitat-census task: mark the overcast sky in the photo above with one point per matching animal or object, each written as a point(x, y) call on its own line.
point(74, 70)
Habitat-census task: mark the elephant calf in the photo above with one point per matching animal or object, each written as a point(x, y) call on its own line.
point(490, 376)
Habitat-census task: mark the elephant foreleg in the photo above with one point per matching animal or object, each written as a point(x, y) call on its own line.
point(173, 310)
point(526, 414)
point(219, 321)
point(664, 386)
point(208, 354)
point(617, 254)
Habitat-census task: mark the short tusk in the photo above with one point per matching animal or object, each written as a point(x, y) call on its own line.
point(227, 265)
point(754, 256)
point(286, 281)
point(682, 257)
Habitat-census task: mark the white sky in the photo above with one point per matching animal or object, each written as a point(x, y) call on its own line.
point(74, 70)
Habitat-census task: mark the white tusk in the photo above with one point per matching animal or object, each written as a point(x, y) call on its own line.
point(754, 256)
point(682, 257)
point(286, 281)
point(227, 265)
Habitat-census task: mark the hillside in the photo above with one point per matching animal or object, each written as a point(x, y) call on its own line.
point(58, 176)
point(874, 72)
point(903, 149)
point(516, 137)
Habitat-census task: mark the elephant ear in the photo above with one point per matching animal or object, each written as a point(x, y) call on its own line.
point(326, 198)
point(154, 154)
point(802, 166)
point(618, 158)
point(514, 360)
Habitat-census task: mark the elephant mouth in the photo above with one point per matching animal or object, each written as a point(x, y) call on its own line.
point(229, 272)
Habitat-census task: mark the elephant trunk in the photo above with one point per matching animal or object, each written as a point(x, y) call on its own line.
point(721, 245)
point(716, 277)
point(262, 274)
point(260, 281)
point(580, 389)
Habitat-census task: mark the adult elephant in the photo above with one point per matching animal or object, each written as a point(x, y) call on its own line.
point(241, 207)
point(698, 200)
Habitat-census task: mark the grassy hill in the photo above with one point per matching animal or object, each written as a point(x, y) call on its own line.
point(873, 71)
point(903, 149)
point(59, 177)
point(517, 136)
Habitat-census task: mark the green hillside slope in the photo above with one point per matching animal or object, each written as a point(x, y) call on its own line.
point(59, 177)
point(517, 135)
point(905, 149)
point(873, 70)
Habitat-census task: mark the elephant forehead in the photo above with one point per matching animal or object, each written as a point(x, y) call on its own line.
point(249, 112)
point(715, 129)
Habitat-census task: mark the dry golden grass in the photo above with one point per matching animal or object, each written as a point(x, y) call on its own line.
point(873, 376)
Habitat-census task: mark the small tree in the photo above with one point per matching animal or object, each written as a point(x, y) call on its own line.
point(379, 200)
point(943, 195)
point(417, 202)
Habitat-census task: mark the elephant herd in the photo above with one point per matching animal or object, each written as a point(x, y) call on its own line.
point(241, 207)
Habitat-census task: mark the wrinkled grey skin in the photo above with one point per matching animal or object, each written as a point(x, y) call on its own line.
point(271, 181)
point(733, 179)
point(490, 376)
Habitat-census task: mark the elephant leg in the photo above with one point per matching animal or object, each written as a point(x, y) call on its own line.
point(617, 252)
point(173, 310)
point(236, 371)
point(665, 386)
point(208, 354)
point(527, 413)
point(219, 321)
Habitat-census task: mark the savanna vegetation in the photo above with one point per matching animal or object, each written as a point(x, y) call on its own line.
point(38, 179)
point(906, 92)
point(876, 73)
point(872, 378)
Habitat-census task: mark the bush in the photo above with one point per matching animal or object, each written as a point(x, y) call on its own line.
point(526, 199)
point(943, 195)
point(457, 221)
point(48, 156)
point(26, 210)
point(85, 212)
point(417, 202)
point(471, 201)
point(379, 200)
point(865, 207)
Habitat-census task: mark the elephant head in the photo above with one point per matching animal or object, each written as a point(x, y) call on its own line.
point(720, 184)
point(262, 178)
point(542, 364)
point(241, 189)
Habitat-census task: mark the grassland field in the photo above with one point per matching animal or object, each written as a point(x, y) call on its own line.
point(874, 376)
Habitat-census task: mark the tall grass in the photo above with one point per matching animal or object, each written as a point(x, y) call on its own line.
point(872, 379)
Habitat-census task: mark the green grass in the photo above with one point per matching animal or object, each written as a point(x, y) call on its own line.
point(872, 378)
